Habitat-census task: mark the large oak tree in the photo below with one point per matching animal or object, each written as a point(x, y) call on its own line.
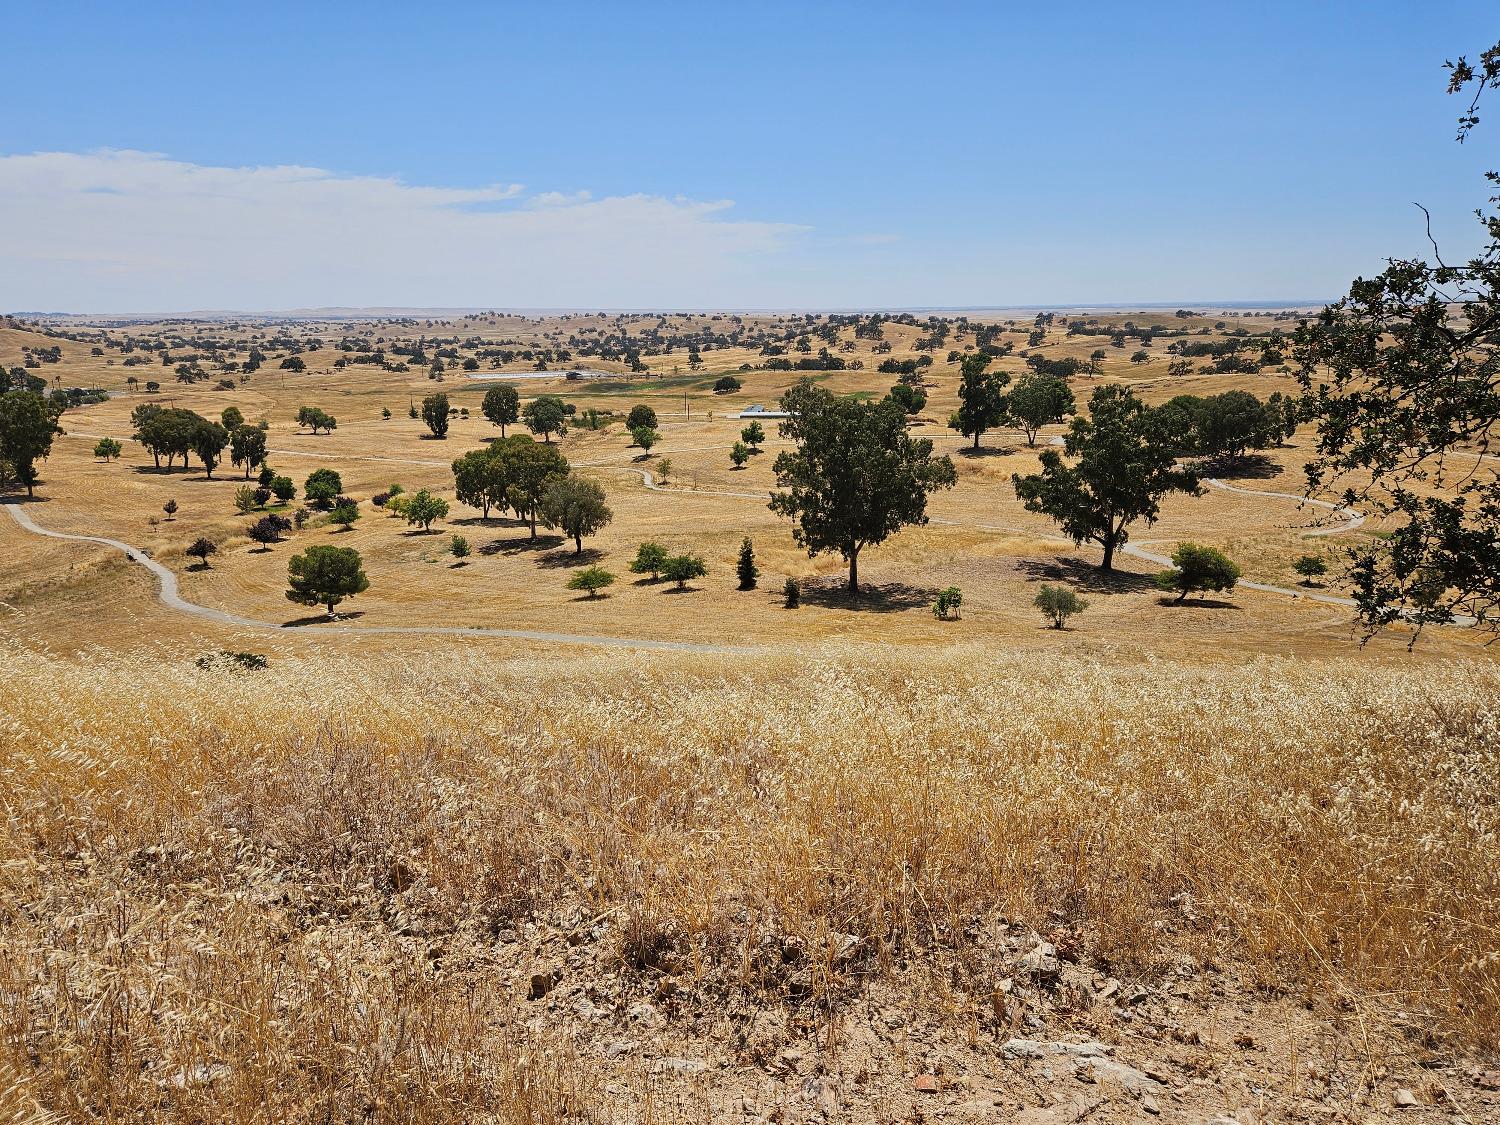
point(1121, 464)
point(856, 476)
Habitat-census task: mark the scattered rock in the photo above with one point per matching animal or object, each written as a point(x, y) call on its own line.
point(820, 1092)
point(925, 1084)
point(199, 1074)
point(1405, 1099)
point(1150, 1105)
point(845, 947)
point(1032, 1049)
point(680, 1066)
point(1042, 962)
point(645, 1015)
point(620, 1048)
point(1110, 1071)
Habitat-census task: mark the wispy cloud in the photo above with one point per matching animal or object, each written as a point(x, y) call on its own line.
point(122, 230)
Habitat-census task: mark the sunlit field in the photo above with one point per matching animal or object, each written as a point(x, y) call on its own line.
point(290, 893)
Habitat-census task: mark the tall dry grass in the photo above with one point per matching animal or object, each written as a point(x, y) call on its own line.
point(266, 896)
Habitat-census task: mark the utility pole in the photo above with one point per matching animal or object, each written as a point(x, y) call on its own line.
point(685, 414)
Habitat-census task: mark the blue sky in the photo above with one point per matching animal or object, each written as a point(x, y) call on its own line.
point(157, 156)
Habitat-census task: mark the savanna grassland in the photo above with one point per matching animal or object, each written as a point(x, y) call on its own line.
point(843, 862)
point(980, 537)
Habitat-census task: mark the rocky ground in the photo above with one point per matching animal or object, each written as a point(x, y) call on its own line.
point(1058, 1040)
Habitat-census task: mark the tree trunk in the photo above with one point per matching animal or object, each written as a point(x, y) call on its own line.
point(1109, 554)
point(976, 440)
point(578, 540)
point(532, 520)
point(854, 572)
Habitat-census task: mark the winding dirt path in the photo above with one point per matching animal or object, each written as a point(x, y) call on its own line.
point(169, 595)
point(1352, 521)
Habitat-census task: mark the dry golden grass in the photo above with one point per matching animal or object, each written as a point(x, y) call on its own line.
point(271, 896)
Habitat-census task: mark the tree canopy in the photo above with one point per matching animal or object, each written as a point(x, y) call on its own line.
point(1403, 380)
point(502, 406)
point(247, 447)
point(1038, 400)
point(576, 506)
point(546, 415)
point(325, 575)
point(1123, 464)
point(856, 475)
point(435, 411)
point(28, 423)
point(981, 397)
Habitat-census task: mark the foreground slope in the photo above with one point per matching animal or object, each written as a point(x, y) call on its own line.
point(828, 884)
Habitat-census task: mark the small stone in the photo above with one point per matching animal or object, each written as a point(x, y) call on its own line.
point(845, 947)
point(820, 1092)
point(645, 1015)
point(1042, 962)
point(1111, 987)
point(1405, 1099)
point(680, 1066)
point(1150, 1105)
point(925, 1084)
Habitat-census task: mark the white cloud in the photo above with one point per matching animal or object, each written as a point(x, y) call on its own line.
point(123, 231)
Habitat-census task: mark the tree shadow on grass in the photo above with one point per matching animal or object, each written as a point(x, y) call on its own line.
point(567, 559)
point(1197, 603)
point(887, 597)
point(490, 521)
point(323, 619)
point(521, 546)
point(1085, 576)
point(983, 451)
point(1257, 466)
